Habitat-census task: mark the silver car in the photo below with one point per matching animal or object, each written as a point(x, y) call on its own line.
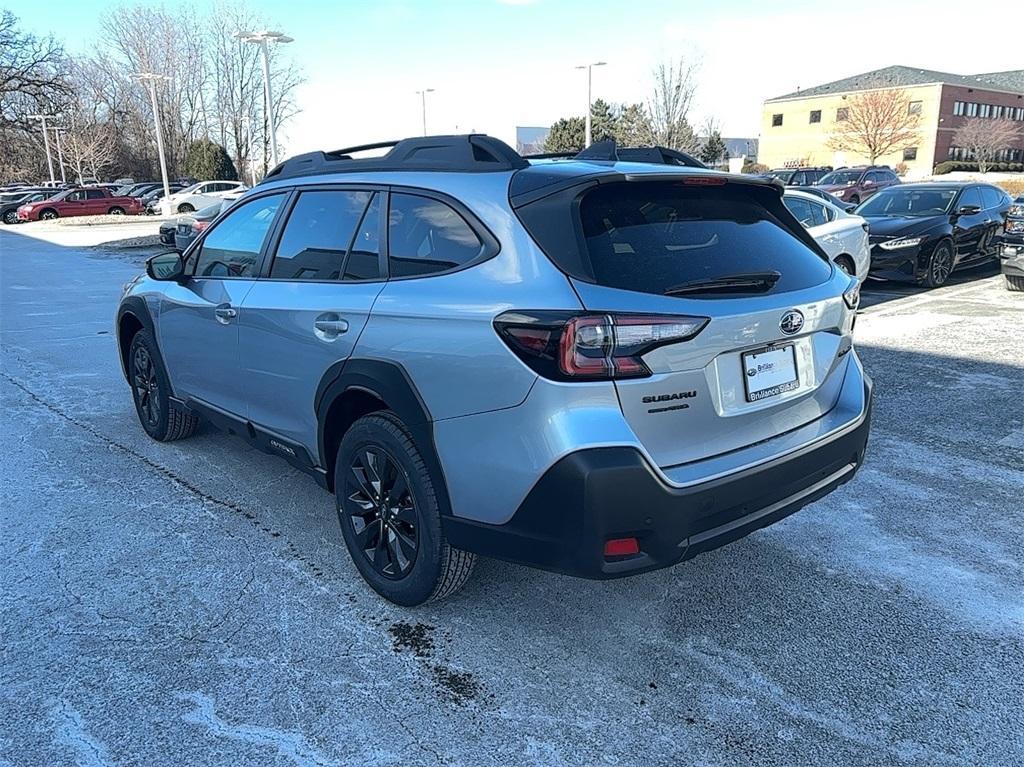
point(586, 365)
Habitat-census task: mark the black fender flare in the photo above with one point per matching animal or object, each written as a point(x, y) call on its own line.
point(389, 382)
point(136, 307)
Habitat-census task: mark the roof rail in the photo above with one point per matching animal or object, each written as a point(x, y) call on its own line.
point(609, 151)
point(468, 153)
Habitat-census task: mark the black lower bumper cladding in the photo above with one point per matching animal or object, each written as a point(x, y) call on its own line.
point(595, 495)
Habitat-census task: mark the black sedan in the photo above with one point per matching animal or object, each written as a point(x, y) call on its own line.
point(11, 201)
point(1011, 246)
point(922, 232)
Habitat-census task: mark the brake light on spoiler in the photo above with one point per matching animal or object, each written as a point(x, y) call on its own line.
point(568, 346)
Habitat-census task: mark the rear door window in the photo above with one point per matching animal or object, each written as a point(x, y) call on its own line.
point(651, 237)
point(318, 234)
point(426, 236)
point(992, 197)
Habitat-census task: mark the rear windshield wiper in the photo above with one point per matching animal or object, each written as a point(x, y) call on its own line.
point(752, 282)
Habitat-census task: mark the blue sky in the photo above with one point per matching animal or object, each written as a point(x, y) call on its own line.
point(498, 64)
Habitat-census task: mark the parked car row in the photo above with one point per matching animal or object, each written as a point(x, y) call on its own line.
point(920, 232)
point(24, 203)
point(849, 185)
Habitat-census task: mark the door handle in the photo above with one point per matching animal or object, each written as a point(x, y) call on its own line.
point(225, 314)
point(329, 326)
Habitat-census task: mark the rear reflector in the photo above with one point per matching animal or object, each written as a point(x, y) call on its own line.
point(621, 547)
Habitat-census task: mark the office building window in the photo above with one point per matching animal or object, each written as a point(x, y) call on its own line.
point(914, 108)
point(843, 113)
point(776, 120)
point(972, 109)
point(910, 153)
point(958, 108)
point(815, 115)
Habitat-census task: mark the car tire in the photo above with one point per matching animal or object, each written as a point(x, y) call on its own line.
point(48, 215)
point(1014, 283)
point(396, 542)
point(160, 418)
point(845, 263)
point(186, 208)
point(11, 217)
point(940, 265)
point(116, 211)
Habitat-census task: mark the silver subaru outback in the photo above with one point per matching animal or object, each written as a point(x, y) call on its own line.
point(598, 365)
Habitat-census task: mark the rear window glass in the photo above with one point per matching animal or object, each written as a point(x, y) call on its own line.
point(650, 237)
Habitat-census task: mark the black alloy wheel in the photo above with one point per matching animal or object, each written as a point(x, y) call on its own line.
point(940, 266)
point(146, 386)
point(48, 215)
point(11, 217)
point(380, 508)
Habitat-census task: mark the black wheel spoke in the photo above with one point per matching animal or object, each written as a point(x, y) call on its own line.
point(378, 504)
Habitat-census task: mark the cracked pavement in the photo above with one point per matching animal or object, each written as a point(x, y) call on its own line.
point(193, 603)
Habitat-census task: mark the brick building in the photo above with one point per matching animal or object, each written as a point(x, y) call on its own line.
point(795, 127)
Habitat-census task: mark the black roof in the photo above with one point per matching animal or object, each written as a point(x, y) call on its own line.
point(900, 76)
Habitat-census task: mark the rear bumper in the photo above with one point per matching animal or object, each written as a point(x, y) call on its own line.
point(594, 495)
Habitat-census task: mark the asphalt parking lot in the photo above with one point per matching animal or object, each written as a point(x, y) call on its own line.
point(193, 603)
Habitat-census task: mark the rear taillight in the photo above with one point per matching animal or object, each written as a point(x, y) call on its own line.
point(565, 346)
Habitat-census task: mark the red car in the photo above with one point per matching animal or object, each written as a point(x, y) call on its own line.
point(80, 201)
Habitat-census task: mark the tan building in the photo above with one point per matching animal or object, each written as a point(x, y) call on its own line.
point(796, 127)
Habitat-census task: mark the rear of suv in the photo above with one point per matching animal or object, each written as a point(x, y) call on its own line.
point(802, 176)
point(586, 365)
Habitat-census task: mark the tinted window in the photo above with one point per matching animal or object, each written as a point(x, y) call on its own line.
point(993, 197)
point(317, 235)
point(95, 194)
point(76, 196)
point(876, 177)
point(840, 177)
point(650, 237)
point(233, 247)
point(427, 236)
point(806, 212)
point(971, 196)
point(799, 179)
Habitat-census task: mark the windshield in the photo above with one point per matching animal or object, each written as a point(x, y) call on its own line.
point(121, 191)
point(844, 177)
point(782, 175)
point(909, 202)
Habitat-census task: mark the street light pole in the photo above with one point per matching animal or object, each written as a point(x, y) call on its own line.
point(60, 154)
point(423, 103)
point(589, 68)
point(150, 78)
point(261, 39)
point(46, 143)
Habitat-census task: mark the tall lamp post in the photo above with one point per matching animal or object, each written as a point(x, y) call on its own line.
point(261, 39)
point(46, 143)
point(151, 79)
point(589, 68)
point(57, 130)
point(423, 104)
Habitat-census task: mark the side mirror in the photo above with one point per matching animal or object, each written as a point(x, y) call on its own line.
point(166, 267)
point(968, 210)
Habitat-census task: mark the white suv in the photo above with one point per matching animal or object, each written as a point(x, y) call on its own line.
point(203, 195)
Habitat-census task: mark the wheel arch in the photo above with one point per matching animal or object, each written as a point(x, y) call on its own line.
point(849, 261)
point(353, 388)
point(132, 316)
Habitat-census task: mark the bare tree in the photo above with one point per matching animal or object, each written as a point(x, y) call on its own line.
point(878, 121)
point(32, 80)
point(87, 144)
point(984, 138)
point(668, 109)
